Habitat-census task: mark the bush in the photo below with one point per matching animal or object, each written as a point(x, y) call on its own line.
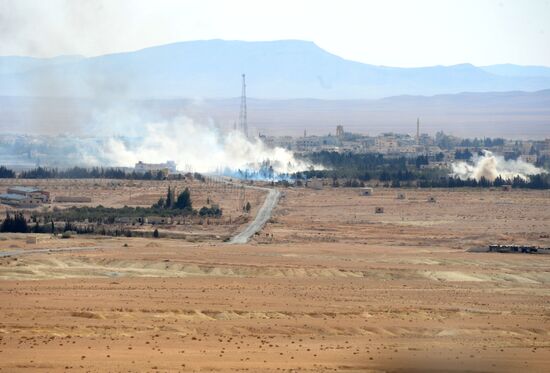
point(215, 212)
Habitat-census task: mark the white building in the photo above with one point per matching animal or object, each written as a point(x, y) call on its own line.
point(169, 166)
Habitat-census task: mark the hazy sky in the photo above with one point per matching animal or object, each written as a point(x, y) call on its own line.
point(388, 32)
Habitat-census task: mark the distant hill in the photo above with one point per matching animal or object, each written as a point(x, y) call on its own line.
point(518, 71)
point(275, 70)
point(504, 114)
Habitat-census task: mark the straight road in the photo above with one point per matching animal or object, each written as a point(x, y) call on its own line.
point(263, 215)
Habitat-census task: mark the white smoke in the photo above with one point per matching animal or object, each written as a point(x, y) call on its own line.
point(490, 166)
point(194, 147)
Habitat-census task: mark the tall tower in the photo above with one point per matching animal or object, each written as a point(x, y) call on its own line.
point(243, 124)
point(417, 131)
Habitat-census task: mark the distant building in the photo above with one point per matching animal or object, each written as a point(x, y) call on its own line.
point(169, 167)
point(308, 143)
point(339, 131)
point(22, 196)
point(386, 144)
point(529, 158)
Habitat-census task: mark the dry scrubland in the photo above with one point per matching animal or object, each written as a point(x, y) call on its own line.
point(327, 286)
point(142, 193)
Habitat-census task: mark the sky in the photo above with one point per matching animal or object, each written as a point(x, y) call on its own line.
point(402, 33)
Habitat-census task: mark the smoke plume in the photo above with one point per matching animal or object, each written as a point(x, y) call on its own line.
point(491, 166)
point(194, 147)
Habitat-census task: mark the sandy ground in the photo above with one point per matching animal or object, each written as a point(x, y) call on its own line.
point(327, 286)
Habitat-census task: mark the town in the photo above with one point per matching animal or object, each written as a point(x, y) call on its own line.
point(440, 148)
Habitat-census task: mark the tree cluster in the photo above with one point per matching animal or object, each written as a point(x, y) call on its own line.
point(213, 211)
point(89, 173)
point(182, 202)
point(6, 173)
point(359, 168)
point(14, 224)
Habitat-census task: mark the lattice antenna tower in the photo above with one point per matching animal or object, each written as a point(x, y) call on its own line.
point(243, 122)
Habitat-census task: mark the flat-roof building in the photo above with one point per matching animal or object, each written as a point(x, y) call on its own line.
point(169, 167)
point(23, 196)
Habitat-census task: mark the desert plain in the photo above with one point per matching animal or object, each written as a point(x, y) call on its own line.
point(327, 285)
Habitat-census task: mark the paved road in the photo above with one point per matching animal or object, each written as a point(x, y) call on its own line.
point(263, 215)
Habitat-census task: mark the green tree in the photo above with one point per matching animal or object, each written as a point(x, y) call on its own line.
point(160, 204)
point(169, 198)
point(184, 200)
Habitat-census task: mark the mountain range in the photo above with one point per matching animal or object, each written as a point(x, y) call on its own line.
point(283, 69)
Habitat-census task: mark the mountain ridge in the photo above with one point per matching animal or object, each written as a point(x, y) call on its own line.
point(275, 70)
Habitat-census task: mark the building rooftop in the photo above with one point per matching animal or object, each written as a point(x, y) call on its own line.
point(24, 189)
point(12, 196)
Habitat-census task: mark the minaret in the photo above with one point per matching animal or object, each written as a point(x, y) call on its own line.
point(417, 131)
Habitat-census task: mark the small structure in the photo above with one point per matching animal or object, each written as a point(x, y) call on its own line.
point(32, 240)
point(506, 188)
point(401, 196)
point(432, 199)
point(367, 191)
point(378, 210)
point(157, 220)
point(124, 220)
point(316, 184)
